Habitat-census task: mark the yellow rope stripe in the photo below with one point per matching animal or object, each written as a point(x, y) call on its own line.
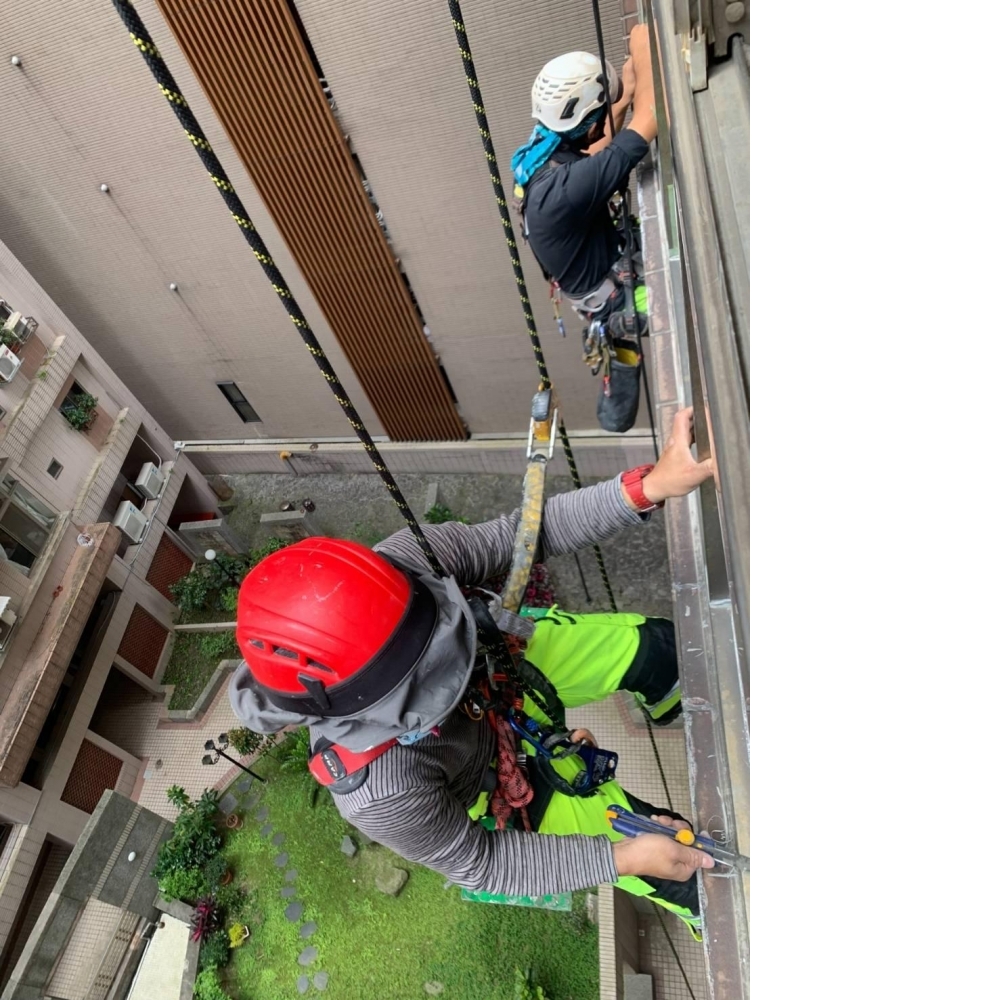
point(145, 46)
point(262, 257)
point(173, 96)
point(283, 292)
point(223, 185)
point(243, 223)
point(198, 141)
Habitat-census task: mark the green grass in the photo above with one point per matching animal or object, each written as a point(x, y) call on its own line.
point(191, 665)
point(377, 947)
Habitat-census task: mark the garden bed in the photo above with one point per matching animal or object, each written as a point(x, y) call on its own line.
point(374, 945)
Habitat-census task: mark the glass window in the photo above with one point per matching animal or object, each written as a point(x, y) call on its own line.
point(25, 525)
point(239, 402)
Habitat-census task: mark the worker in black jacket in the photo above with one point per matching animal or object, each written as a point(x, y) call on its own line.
point(565, 176)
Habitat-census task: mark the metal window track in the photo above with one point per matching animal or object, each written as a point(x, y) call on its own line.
point(694, 202)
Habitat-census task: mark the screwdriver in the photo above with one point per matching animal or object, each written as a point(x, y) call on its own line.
point(630, 825)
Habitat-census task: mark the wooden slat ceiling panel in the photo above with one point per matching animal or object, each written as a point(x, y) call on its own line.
point(250, 59)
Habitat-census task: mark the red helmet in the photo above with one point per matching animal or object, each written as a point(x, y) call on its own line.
point(328, 627)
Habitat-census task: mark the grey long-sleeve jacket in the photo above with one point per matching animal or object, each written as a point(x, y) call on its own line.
point(416, 798)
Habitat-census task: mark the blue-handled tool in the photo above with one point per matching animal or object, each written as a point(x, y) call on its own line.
point(551, 745)
point(630, 825)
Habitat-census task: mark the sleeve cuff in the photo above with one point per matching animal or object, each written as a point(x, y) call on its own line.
point(628, 515)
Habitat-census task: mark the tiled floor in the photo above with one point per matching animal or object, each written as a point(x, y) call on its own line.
point(172, 751)
point(617, 725)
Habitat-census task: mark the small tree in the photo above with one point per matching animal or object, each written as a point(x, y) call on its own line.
point(245, 741)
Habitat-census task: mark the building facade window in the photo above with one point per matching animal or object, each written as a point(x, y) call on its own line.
point(25, 525)
point(54, 469)
point(239, 402)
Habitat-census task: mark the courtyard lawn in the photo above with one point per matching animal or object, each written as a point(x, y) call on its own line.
point(373, 945)
point(192, 662)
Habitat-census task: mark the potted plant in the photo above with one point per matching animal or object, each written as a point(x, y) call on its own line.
point(79, 409)
point(234, 821)
point(238, 933)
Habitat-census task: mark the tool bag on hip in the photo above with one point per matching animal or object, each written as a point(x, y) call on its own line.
point(618, 402)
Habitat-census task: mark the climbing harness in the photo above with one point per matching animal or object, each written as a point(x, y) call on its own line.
point(478, 105)
point(553, 745)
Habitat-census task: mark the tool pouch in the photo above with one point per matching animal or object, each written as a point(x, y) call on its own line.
point(618, 403)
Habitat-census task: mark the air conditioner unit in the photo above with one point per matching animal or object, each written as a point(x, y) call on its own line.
point(8, 619)
point(149, 482)
point(131, 520)
point(19, 327)
point(9, 364)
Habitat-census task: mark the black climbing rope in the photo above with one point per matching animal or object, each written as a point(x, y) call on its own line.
point(627, 216)
point(479, 107)
point(170, 90)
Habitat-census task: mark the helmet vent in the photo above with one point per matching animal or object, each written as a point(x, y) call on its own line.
point(256, 643)
point(570, 108)
point(280, 651)
point(318, 666)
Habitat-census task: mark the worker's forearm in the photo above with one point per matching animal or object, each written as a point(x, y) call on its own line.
point(584, 517)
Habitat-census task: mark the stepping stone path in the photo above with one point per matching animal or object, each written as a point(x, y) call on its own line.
point(392, 881)
point(435, 989)
point(228, 803)
point(347, 847)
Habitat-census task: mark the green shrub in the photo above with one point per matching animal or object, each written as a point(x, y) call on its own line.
point(233, 900)
point(214, 871)
point(219, 645)
point(439, 514)
point(526, 989)
point(191, 592)
point(185, 884)
point(293, 752)
point(245, 741)
point(214, 951)
point(193, 843)
point(79, 410)
point(179, 798)
point(269, 547)
point(207, 986)
point(228, 599)
point(223, 569)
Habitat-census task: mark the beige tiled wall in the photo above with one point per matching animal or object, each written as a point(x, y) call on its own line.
point(20, 856)
point(85, 950)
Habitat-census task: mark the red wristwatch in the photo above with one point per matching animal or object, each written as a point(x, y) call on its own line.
point(632, 481)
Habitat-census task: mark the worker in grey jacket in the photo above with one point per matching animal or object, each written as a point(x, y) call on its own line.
point(376, 655)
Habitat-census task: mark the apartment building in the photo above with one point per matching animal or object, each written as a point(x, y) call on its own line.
point(90, 495)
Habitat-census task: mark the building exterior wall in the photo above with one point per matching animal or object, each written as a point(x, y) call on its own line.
point(32, 434)
point(108, 259)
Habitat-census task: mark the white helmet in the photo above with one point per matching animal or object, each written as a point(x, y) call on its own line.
point(569, 88)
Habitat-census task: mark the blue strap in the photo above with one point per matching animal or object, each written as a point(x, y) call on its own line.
point(535, 153)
